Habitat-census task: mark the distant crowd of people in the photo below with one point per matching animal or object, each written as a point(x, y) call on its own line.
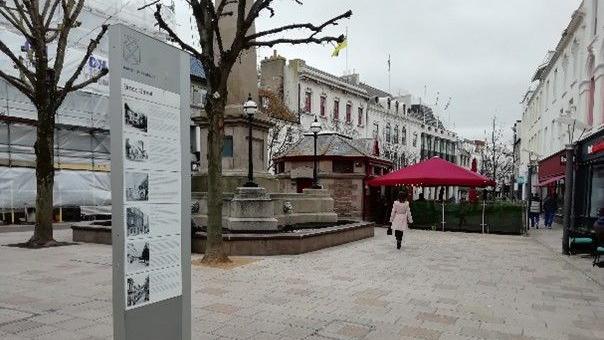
point(548, 208)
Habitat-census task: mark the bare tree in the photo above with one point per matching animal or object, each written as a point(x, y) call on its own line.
point(218, 61)
point(45, 24)
point(497, 158)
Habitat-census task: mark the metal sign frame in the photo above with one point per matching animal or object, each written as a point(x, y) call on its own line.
point(140, 59)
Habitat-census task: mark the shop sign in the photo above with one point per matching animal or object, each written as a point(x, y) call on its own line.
point(595, 148)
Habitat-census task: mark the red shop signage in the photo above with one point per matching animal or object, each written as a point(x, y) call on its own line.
point(595, 148)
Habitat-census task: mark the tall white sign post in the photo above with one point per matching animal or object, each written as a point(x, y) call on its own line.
point(150, 181)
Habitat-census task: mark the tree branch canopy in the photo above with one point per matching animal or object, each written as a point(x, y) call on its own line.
point(69, 87)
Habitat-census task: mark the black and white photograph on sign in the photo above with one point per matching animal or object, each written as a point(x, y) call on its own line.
point(137, 186)
point(138, 289)
point(137, 222)
point(137, 256)
point(136, 150)
point(135, 119)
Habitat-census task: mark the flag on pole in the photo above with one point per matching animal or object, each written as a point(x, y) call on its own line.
point(339, 47)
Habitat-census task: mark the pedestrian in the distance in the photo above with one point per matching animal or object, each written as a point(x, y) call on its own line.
point(550, 206)
point(535, 211)
point(400, 217)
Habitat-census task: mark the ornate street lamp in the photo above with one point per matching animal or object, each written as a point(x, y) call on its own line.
point(249, 110)
point(315, 128)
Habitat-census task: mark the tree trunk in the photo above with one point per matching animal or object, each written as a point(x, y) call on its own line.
point(44, 149)
point(214, 246)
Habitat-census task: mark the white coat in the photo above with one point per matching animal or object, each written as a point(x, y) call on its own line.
point(400, 216)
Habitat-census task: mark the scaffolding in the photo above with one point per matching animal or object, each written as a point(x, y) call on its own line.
point(82, 142)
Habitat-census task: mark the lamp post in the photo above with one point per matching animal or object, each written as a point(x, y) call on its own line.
point(315, 128)
point(249, 110)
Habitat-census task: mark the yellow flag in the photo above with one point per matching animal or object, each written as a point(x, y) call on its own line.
point(339, 47)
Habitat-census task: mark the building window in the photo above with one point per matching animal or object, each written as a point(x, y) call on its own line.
point(264, 102)
point(376, 130)
point(415, 139)
point(342, 166)
point(336, 109)
point(404, 108)
point(388, 132)
point(404, 136)
point(361, 116)
point(323, 106)
point(280, 167)
point(396, 106)
point(395, 137)
point(348, 113)
point(389, 103)
point(227, 146)
point(308, 101)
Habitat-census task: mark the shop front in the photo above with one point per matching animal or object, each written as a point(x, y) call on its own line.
point(551, 175)
point(589, 180)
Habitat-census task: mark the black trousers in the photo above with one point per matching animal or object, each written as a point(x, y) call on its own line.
point(398, 234)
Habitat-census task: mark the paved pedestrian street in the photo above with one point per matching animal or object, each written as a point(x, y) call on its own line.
point(440, 286)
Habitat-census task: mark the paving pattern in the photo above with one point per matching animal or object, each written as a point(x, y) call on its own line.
point(439, 286)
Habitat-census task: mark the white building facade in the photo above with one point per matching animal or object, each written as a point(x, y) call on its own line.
point(399, 128)
point(565, 101)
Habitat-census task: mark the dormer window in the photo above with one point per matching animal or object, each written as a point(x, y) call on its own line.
point(396, 106)
point(389, 103)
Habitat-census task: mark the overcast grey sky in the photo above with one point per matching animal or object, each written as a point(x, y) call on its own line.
point(482, 53)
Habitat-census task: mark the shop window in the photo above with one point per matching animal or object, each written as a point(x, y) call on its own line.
point(342, 166)
point(227, 146)
point(597, 194)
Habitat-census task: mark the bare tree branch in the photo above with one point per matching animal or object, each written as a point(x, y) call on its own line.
point(25, 88)
point(71, 11)
point(18, 63)
point(51, 14)
point(308, 40)
point(91, 47)
point(308, 26)
point(164, 26)
point(148, 5)
point(92, 80)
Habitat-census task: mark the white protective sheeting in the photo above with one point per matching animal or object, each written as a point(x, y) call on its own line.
point(72, 188)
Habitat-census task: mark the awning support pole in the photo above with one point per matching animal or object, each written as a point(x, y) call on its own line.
point(484, 204)
point(443, 215)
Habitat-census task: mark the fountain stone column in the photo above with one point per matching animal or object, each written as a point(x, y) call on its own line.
point(252, 210)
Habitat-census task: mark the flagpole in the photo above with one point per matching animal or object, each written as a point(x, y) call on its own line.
point(389, 76)
point(347, 52)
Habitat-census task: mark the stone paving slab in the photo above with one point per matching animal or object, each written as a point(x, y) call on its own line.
point(439, 286)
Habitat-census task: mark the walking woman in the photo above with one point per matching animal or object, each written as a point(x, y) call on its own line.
point(400, 217)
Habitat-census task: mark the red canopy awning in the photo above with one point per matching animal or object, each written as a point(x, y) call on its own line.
point(550, 181)
point(433, 172)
